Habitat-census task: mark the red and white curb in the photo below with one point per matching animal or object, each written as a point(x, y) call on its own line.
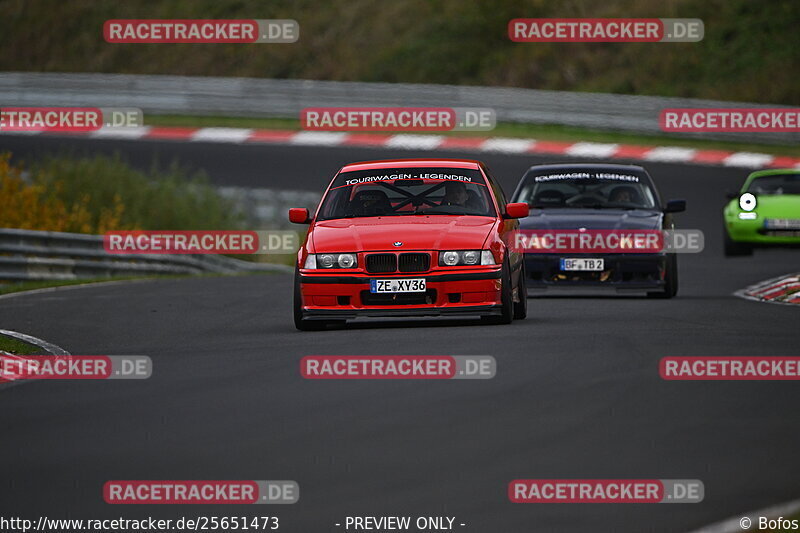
point(406, 141)
point(51, 349)
point(781, 290)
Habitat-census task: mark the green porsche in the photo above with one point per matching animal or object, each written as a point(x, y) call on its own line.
point(765, 211)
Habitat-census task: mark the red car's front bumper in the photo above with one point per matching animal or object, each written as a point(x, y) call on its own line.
point(457, 292)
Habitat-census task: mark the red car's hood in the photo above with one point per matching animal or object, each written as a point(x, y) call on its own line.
point(422, 232)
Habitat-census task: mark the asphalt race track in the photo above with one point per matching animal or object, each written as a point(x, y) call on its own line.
point(577, 392)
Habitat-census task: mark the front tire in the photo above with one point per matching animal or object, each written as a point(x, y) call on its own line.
point(506, 298)
point(303, 324)
point(521, 307)
point(735, 249)
point(670, 279)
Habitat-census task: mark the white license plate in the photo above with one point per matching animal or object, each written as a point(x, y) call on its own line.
point(582, 263)
point(782, 223)
point(397, 285)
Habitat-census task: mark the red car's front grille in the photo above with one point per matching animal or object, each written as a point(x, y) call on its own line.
point(407, 262)
point(377, 263)
point(414, 262)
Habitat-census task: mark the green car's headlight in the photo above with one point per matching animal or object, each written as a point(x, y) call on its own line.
point(747, 201)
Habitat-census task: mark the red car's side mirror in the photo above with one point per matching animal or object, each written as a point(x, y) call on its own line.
point(517, 210)
point(299, 215)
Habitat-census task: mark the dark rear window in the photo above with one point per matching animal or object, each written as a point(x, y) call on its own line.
point(587, 188)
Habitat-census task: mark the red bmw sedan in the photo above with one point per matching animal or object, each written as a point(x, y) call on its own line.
point(410, 238)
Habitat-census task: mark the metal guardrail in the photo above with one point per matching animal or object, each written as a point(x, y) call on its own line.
point(27, 255)
point(256, 97)
point(267, 208)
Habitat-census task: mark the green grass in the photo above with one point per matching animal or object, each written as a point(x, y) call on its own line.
point(189, 121)
point(163, 197)
point(503, 129)
point(746, 54)
point(12, 345)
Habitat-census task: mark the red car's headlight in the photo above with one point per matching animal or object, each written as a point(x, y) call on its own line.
point(325, 261)
point(466, 258)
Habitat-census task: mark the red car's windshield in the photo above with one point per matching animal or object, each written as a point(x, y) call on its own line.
point(407, 191)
